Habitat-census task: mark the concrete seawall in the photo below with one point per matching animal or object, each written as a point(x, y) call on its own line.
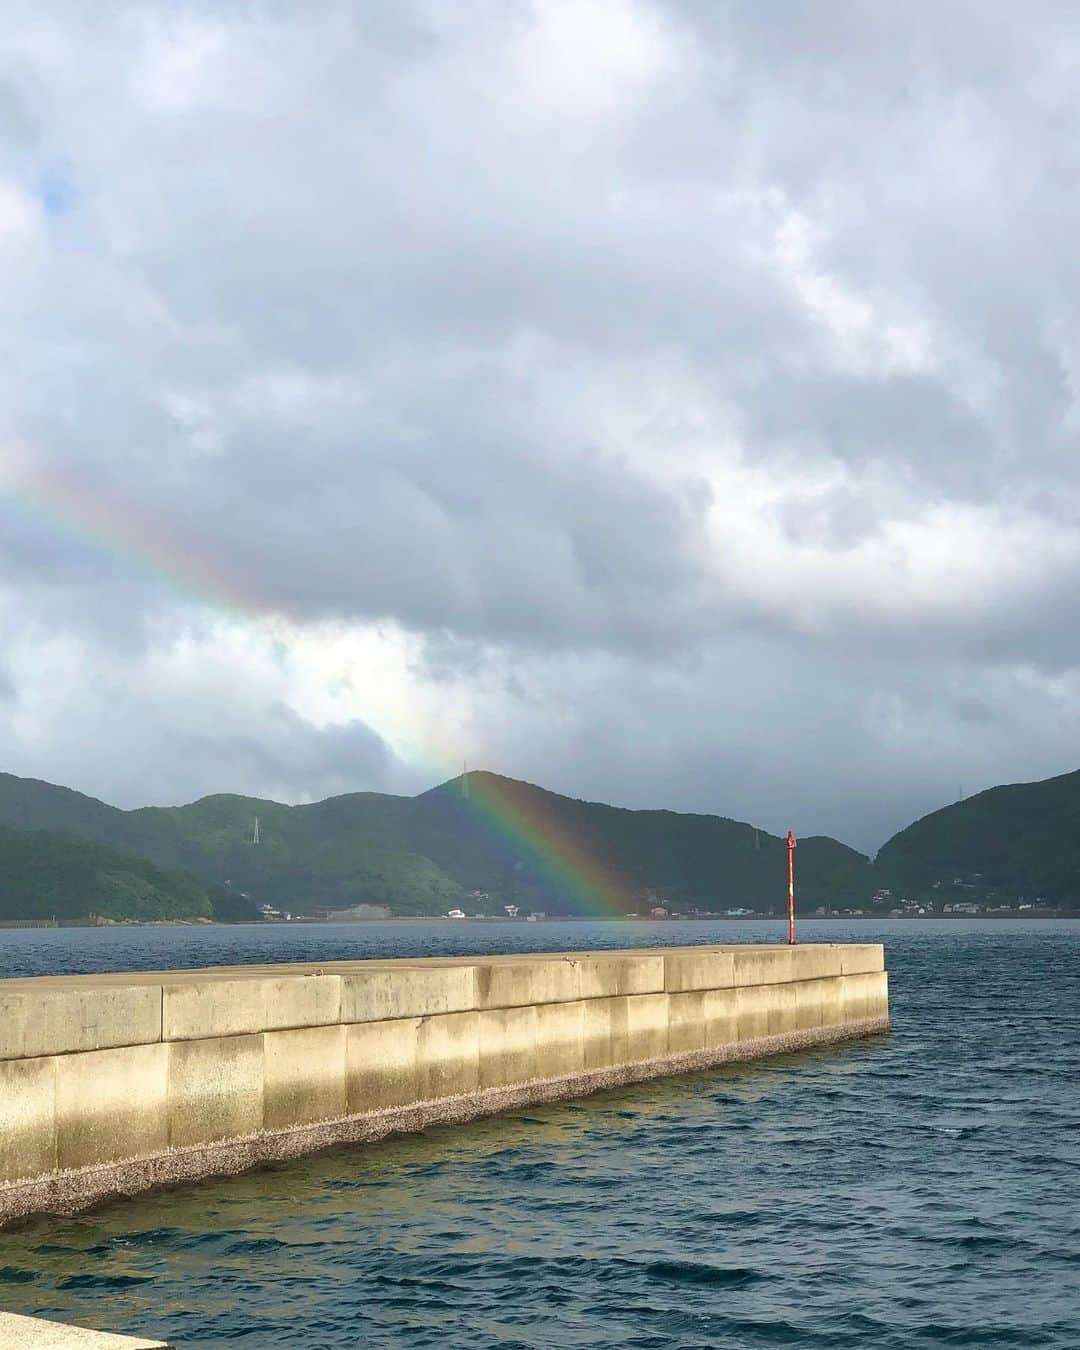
point(116, 1083)
point(32, 1333)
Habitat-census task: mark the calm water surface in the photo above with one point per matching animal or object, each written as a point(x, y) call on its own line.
point(914, 1190)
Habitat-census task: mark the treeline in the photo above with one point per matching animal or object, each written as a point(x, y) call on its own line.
point(509, 841)
point(486, 841)
point(45, 875)
point(1020, 839)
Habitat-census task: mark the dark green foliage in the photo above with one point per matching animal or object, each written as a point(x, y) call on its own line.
point(227, 906)
point(423, 855)
point(1020, 839)
point(638, 858)
point(331, 854)
point(44, 876)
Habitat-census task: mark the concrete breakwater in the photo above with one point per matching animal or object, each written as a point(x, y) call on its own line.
point(32, 1333)
point(116, 1083)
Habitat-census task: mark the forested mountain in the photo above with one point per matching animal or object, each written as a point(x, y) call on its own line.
point(1018, 839)
point(500, 836)
point(512, 840)
point(514, 843)
point(56, 876)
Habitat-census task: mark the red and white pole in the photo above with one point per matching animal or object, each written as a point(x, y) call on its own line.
point(790, 888)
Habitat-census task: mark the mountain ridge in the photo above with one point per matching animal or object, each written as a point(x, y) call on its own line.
point(485, 840)
point(1014, 839)
point(46, 875)
point(425, 854)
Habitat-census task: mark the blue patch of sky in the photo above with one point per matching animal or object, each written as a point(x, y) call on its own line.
point(55, 189)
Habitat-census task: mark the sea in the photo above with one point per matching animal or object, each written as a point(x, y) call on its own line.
point(916, 1189)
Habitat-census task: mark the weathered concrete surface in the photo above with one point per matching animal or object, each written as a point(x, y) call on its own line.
point(32, 1333)
point(37, 1018)
point(244, 1065)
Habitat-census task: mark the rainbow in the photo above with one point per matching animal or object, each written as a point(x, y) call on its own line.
point(520, 824)
point(526, 828)
point(98, 514)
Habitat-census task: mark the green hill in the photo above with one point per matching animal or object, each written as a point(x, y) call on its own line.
point(512, 842)
point(45, 875)
point(1019, 839)
point(328, 855)
point(499, 837)
point(422, 855)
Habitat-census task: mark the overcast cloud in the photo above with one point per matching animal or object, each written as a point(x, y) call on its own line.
point(673, 403)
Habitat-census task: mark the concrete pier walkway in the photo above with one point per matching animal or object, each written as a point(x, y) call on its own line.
point(116, 1083)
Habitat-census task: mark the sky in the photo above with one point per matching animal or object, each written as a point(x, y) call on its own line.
point(672, 403)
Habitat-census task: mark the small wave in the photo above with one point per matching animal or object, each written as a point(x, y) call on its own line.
point(247, 1246)
point(694, 1272)
point(16, 1275)
point(529, 1171)
point(104, 1281)
point(737, 1218)
point(978, 1242)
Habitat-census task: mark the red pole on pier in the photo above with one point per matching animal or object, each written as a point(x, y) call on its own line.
point(790, 888)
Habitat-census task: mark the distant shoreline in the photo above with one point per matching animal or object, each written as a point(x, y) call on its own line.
point(555, 918)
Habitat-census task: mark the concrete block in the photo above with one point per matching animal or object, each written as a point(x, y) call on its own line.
point(510, 984)
point(830, 996)
point(215, 1089)
point(604, 1032)
point(27, 1118)
point(816, 961)
point(686, 1021)
point(646, 1026)
point(303, 1076)
point(507, 1046)
point(55, 1019)
point(808, 1002)
point(560, 1048)
point(609, 976)
point(752, 1004)
point(194, 1010)
point(783, 1012)
point(719, 1014)
point(207, 1009)
point(376, 995)
point(853, 995)
point(862, 958)
point(866, 996)
point(703, 969)
point(381, 1065)
point(764, 965)
point(448, 1055)
point(203, 1009)
point(111, 1104)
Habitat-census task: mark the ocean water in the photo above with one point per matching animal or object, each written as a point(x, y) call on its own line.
point(919, 1189)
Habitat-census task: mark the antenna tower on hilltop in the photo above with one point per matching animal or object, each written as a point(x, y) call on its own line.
point(255, 832)
point(465, 779)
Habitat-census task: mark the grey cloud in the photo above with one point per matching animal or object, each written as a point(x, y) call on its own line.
point(282, 754)
point(710, 330)
point(141, 749)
